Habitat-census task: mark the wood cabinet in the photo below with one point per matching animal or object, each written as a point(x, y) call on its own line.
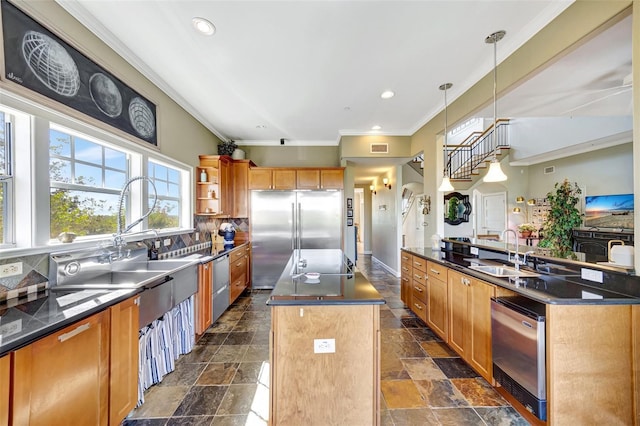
point(204, 299)
point(340, 388)
point(5, 386)
point(272, 178)
point(325, 178)
point(437, 300)
point(214, 185)
point(123, 365)
point(238, 273)
point(332, 178)
point(470, 321)
point(405, 277)
point(419, 287)
point(64, 376)
point(240, 188)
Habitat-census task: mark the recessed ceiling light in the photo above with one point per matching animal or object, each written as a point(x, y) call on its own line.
point(376, 127)
point(203, 26)
point(261, 126)
point(387, 94)
point(347, 108)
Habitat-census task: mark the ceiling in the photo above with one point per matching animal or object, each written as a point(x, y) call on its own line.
point(310, 72)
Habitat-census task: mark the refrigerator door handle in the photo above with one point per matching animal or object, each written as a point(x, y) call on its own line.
point(299, 226)
point(293, 226)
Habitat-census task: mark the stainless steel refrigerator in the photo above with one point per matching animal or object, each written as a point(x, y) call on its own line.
point(282, 221)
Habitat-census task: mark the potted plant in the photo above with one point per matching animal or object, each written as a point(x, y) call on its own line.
point(526, 229)
point(226, 147)
point(563, 216)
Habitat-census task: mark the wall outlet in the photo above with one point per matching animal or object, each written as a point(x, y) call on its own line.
point(197, 236)
point(10, 269)
point(591, 275)
point(324, 346)
point(167, 242)
point(157, 244)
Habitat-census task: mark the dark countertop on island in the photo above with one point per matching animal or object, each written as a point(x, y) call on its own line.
point(339, 282)
point(561, 285)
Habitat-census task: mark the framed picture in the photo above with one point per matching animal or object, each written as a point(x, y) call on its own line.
point(350, 221)
point(37, 59)
point(349, 212)
point(349, 203)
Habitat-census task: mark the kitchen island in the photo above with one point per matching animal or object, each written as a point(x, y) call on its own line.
point(325, 343)
point(592, 322)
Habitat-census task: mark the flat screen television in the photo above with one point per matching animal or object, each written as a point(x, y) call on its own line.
point(609, 211)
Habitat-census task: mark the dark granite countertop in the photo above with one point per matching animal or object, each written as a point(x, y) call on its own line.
point(558, 285)
point(338, 283)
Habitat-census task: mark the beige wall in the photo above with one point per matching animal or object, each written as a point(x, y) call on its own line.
point(180, 136)
point(293, 156)
point(360, 146)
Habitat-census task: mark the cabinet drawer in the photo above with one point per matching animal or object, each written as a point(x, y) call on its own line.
point(436, 270)
point(236, 255)
point(419, 263)
point(419, 276)
point(405, 258)
point(419, 292)
point(236, 287)
point(420, 309)
point(237, 268)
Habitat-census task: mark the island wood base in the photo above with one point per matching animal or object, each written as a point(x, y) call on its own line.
point(341, 388)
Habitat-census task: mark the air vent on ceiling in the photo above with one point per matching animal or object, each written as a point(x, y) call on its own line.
point(549, 170)
point(379, 148)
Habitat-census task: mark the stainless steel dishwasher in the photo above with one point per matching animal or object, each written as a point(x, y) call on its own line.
point(221, 278)
point(518, 344)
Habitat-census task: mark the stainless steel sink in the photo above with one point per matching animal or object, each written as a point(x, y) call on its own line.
point(154, 265)
point(114, 280)
point(502, 271)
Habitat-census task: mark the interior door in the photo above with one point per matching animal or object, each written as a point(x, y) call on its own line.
point(494, 213)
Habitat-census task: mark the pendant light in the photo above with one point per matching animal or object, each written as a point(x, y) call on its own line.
point(495, 173)
point(445, 186)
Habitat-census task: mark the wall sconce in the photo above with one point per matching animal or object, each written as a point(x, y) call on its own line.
point(516, 210)
point(386, 183)
point(373, 189)
point(520, 199)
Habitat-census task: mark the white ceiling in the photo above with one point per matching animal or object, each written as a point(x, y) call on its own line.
point(311, 71)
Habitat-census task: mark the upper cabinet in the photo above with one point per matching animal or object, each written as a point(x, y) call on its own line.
point(222, 186)
point(301, 178)
point(241, 187)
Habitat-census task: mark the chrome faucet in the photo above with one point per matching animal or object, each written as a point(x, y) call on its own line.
point(118, 239)
point(516, 257)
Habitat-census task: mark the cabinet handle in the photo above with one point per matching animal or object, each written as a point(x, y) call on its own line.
point(238, 264)
point(417, 306)
point(66, 336)
point(435, 271)
point(418, 289)
point(405, 269)
point(416, 276)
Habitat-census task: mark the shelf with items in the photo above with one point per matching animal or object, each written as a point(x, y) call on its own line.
point(207, 190)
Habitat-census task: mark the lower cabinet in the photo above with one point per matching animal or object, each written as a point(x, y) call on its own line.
point(238, 273)
point(123, 366)
point(405, 278)
point(204, 299)
point(470, 321)
point(5, 383)
point(437, 300)
point(64, 378)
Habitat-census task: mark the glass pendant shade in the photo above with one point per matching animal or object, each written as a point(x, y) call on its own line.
point(495, 173)
point(445, 186)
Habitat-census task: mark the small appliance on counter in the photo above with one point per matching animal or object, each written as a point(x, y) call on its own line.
point(228, 232)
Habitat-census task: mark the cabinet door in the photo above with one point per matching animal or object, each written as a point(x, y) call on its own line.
point(260, 178)
point(204, 299)
point(437, 317)
point(247, 255)
point(123, 380)
point(458, 306)
point(5, 383)
point(332, 178)
point(284, 179)
point(240, 189)
point(308, 179)
point(478, 351)
point(64, 376)
point(226, 187)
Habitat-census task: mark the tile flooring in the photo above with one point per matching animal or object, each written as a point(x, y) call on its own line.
point(225, 379)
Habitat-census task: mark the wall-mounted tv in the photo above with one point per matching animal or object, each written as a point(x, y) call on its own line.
point(609, 211)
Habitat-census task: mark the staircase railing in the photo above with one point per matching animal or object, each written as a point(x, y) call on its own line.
point(464, 158)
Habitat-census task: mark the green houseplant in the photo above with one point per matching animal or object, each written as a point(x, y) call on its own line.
point(452, 214)
point(526, 229)
point(226, 147)
point(563, 216)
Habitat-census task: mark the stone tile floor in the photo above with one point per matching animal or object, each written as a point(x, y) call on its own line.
point(225, 379)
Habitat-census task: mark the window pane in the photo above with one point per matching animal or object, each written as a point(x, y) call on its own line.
point(3, 191)
point(88, 151)
point(161, 188)
point(82, 212)
point(166, 214)
point(174, 176)
point(174, 190)
point(59, 143)
point(3, 144)
point(114, 180)
point(115, 159)
point(60, 170)
point(88, 175)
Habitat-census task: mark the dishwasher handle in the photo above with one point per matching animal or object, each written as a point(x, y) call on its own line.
point(523, 306)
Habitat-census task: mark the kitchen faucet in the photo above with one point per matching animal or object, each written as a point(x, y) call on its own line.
point(118, 239)
point(516, 257)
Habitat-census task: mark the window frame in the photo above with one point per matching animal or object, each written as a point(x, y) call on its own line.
point(7, 181)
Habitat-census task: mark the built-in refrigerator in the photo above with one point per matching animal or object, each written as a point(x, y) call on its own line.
point(282, 221)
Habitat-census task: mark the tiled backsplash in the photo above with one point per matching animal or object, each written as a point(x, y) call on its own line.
point(35, 268)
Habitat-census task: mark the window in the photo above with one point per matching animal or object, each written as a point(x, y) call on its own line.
point(167, 182)
point(6, 179)
point(85, 182)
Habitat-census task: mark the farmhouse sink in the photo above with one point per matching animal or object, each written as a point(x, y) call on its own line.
point(502, 271)
point(114, 281)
